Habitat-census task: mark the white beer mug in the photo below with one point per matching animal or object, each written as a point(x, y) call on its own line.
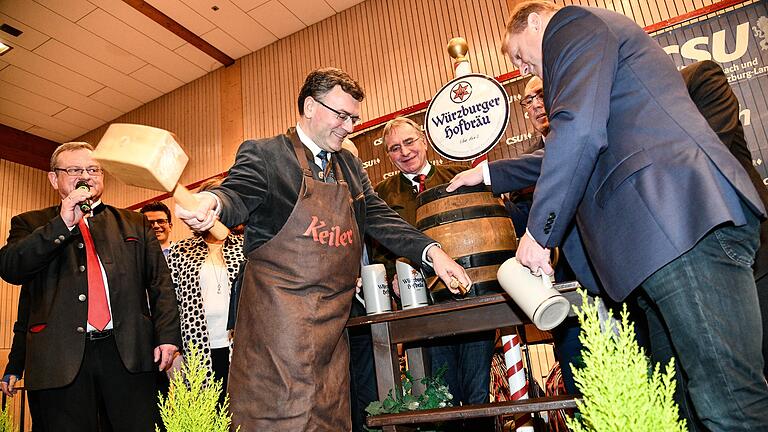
point(375, 289)
point(544, 305)
point(413, 288)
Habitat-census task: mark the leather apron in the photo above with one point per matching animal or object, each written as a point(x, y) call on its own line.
point(290, 361)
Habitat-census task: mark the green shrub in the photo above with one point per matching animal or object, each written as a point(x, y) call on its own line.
point(6, 420)
point(436, 395)
point(619, 391)
point(192, 404)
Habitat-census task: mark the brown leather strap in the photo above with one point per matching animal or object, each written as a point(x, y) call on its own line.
point(338, 175)
point(298, 149)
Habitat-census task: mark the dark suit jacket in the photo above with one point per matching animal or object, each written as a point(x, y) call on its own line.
point(713, 96)
point(397, 192)
point(49, 259)
point(263, 185)
point(628, 155)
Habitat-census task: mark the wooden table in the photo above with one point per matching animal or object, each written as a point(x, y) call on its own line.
point(445, 319)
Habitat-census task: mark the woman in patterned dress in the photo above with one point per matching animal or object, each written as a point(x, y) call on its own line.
point(203, 270)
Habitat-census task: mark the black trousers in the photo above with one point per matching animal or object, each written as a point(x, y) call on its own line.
point(103, 391)
point(362, 375)
point(220, 366)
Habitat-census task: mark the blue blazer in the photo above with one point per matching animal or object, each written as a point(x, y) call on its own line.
point(629, 156)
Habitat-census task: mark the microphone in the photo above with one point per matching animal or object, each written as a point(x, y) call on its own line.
point(85, 206)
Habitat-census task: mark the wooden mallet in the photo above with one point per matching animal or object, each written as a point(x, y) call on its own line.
point(150, 158)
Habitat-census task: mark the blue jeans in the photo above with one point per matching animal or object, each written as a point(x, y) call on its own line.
point(468, 377)
point(568, 351)
point(469, 366)
point(702, 308)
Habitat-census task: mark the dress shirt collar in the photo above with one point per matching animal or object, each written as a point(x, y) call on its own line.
point(307, 141)
point(96, 208)
point(427, 168)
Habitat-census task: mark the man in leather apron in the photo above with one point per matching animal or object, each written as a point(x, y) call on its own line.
point(307, 205)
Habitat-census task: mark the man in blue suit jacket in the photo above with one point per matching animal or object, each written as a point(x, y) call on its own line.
point(658, 202)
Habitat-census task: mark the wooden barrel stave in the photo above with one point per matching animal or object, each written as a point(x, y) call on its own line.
point(473, 228)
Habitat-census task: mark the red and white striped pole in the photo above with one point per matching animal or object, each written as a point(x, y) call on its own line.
point(518, 384)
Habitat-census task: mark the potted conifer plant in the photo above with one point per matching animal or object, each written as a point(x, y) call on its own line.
point(192, 404)
point(621, 392)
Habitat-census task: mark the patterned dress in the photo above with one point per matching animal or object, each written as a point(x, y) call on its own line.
point(185, 260)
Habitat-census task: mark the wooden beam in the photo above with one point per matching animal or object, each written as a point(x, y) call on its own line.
point(475, 411)
point(26, 149)
point(179, 30)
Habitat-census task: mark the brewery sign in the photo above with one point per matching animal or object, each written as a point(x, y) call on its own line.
point(467, 117)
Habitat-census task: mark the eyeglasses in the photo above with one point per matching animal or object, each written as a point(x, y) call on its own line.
point(527, 101)
point(341, 115)
point(77, 171)
point(158, 221)
point(407, 143)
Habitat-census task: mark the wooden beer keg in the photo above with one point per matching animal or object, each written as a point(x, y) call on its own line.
point(474, 228)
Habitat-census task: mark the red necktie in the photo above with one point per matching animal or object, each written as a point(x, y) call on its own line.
point(98, 308)
point(422, 182)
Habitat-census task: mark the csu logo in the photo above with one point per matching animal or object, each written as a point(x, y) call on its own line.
point(700, 48)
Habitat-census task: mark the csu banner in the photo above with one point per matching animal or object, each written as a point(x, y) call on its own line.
point(738, 41)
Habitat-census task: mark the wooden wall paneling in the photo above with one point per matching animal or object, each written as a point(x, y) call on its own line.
point(264, 90)
point(384, 57)
point(287, 99)
point(250, 110)
point(380, 47)
point(413, 66)
point(231, 113)
point(405, 70)
point(362, 38)
point(417, 29)
point(399, 55)
point(438, 64)
point(264, 87)
point(386, 73)
point(416, 67)
point(431, 77)
point(427, 20)
point(493, 26)
point(354, 17)
point(263, 93)
point(267, 79)
point(398, 79)
point(376, 59)
point(336, 37)
point(451, 20)
point(474, 23)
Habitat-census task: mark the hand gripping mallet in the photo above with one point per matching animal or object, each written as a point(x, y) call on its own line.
point(150, 158)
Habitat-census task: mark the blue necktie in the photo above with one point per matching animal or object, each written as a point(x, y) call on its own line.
point(323, 155)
